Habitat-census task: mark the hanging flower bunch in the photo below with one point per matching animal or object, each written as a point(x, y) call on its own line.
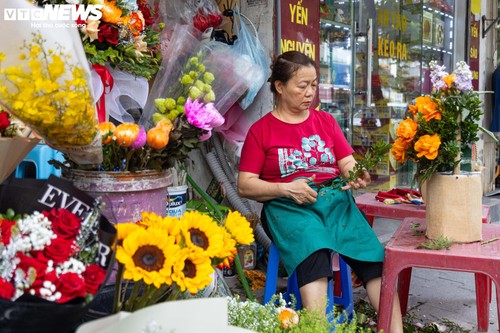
point(125, 37)
point(51, 255)
point(165, 256)
point(49, 94)
point(440, 125)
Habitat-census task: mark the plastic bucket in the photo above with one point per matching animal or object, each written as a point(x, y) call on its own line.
point(176, 200)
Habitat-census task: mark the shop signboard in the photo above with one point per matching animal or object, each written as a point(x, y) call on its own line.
point(475, 8)
point(299, 27)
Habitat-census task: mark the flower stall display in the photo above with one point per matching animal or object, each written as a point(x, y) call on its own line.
point(54, 260)
point(439, 127)
point(15, 143)
point(164, 257)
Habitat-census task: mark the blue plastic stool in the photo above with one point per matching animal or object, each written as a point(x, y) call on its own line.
point(40, 156)
point(345, 299)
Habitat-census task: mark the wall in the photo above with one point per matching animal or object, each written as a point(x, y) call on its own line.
point(487, 147)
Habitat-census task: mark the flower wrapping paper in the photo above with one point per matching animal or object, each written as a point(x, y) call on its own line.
point(12, 152)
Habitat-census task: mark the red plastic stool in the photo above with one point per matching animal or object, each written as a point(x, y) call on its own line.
point(401, 254)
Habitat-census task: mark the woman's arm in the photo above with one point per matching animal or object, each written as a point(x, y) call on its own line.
point(252, 187)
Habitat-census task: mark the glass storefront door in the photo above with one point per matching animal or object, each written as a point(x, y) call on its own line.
point(374, 57)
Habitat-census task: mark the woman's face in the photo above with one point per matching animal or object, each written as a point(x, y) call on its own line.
point(298, 93)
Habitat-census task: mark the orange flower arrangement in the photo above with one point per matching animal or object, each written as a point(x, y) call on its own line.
point(440, 125)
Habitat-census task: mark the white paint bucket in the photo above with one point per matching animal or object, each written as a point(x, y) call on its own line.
point(176, 200)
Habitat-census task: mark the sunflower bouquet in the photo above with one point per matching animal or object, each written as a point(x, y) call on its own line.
point(440, 125)
point(164, 257)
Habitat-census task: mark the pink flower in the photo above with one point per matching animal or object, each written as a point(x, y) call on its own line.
point(141, 139)
point(206, 136)
point(202, 116)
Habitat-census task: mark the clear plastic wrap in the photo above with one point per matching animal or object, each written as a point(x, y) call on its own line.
point(193, 68)
point(46, 83)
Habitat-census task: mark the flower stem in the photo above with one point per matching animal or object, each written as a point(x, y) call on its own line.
point(217, 211)
point(117, 302)
point(243, 278)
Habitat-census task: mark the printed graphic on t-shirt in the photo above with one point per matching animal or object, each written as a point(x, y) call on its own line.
point(313, 157)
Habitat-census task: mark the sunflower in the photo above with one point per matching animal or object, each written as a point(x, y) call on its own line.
point(168, 223)
point(148, 255)
point(125, 229)
point(194, 273)
point(239, 227)
point(201, 232)
point(229, 245)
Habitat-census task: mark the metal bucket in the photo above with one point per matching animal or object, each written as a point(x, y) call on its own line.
point(125, 194)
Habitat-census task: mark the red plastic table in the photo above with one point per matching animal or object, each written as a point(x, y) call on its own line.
point(401, 254)
point(374, 208)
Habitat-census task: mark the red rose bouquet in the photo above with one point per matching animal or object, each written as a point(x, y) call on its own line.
point(51, 255)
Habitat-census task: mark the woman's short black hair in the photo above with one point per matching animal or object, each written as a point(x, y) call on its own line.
point(286, 64)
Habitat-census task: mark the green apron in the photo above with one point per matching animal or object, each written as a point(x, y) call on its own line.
point(333, 222)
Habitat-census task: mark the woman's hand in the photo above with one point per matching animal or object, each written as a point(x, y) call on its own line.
point(300, 191)
point(359, 183)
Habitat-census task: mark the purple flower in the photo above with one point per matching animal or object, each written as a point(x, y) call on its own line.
point(463, 76)
point(437, 75)
point(202, 116)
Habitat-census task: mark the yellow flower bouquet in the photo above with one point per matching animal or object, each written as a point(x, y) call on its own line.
point(164, 257)
point(51, 94)
point(440, 125)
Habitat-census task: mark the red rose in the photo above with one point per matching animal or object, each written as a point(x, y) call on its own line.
point(79, 21)
point(6, 231)
point(4, 120)
point(201, 22)
point(94, 276)
point(59, 250)
point(71, 286)
point(215, 20)
point(149, 19)
point(107, 33)
point(64, 223)
point(7, 291)
point(38, 283)
point(28, 262)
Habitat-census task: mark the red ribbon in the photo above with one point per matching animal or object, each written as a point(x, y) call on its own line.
point(107, 81)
